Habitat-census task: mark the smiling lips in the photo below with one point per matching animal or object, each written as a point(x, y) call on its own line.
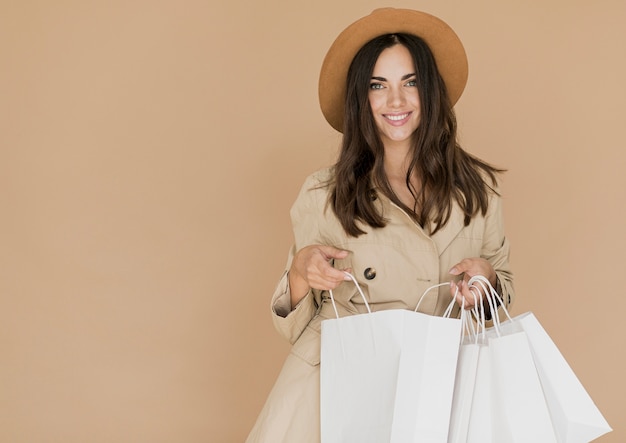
point(397, 118)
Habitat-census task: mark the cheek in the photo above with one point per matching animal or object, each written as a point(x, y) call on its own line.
point(416, 102)
point(374, 101)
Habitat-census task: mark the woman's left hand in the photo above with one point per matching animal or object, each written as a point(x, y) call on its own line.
point(470, 267)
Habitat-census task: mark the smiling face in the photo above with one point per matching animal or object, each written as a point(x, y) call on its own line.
point(394, 97)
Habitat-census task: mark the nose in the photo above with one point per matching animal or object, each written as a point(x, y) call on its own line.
point(396, 98)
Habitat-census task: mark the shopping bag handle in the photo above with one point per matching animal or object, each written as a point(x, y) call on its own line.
point(448, 312)
point(475, 284)
point(358, 287)
point(477, 330)
point(493, 298)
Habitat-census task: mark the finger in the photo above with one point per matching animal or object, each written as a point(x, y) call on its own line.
point(313, 264)
point(331, 252)
point(347, 271)
point(474, 266)
point(471, 295)
point(325, 284)
point(462, 298)
point(328, 282)
point(320, 259)
point(461, 267)
point(455, 291)
point(329, 272)
point(326, 277)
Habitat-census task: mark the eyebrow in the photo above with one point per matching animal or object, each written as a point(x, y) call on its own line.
point(404, 77)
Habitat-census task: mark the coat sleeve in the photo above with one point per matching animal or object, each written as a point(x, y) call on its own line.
point(496, 250)
point(306, 213)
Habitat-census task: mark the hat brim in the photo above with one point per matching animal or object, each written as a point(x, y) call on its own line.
point(443, 42)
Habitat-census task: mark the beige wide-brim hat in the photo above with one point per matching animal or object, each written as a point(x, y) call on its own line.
point(441, 39)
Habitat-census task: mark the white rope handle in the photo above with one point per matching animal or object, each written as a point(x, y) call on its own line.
point(492, 295)
point(492, 306)
point(448, 310)
point(475, 284)
point(332, 298)
point(494, 299)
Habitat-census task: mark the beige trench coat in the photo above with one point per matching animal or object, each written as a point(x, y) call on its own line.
point(401, 261)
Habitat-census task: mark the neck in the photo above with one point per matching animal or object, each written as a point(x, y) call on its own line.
point(397, 160)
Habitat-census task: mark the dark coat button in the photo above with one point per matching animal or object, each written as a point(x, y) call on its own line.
point(369, 273)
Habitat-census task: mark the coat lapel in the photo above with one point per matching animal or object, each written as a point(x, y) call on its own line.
point(450, 231)
point(441, 238)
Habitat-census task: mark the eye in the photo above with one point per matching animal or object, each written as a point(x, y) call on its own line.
point(376, 86)
point(411, 83)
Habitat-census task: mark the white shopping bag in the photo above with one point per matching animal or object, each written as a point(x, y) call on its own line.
point(517, 411)
point(387, 376)
point(519, 408)
point(479, 427)
point(466, 372)
point(575, 417)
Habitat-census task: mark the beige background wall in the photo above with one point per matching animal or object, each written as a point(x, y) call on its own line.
point(149, 154)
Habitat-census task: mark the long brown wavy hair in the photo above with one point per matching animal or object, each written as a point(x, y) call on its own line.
point(447, 173)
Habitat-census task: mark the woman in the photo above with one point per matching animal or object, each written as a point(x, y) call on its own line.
point(404, 208)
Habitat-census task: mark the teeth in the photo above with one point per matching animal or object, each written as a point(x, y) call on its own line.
point(397, 117)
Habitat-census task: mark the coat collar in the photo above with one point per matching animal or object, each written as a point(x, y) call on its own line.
point(441, 238)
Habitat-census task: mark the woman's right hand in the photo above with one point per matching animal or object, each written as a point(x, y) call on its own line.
point(311, 268)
